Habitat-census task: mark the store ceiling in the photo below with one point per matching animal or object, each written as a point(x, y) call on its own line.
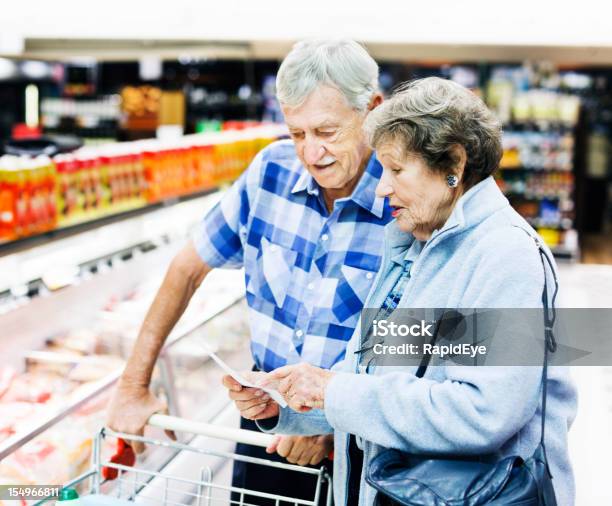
point(126, 50)
point(129, 50)
point(571, 33)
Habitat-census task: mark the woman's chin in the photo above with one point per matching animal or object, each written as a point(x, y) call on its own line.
point(410, 227)
point(405, 226)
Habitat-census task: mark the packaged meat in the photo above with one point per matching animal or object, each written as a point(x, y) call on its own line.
point(37, 387)
point(95, 367)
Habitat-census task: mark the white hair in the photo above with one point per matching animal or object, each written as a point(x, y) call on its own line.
point(341, 63)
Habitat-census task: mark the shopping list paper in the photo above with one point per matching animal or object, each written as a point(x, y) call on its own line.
point(274, 394)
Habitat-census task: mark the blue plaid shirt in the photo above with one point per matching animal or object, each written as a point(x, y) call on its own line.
point(307, 271)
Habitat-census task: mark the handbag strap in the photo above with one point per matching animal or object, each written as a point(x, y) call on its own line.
point(550, 344)
point(550, 315)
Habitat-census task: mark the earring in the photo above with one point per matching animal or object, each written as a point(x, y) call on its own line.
point(452, 181)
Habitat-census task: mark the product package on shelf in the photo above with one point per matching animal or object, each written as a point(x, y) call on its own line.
point(61, 452)
point(40, 194)
point(27, 196)
point(540, 114)
point(536, 174)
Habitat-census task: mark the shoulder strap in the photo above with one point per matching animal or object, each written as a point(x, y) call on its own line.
point(550, 314)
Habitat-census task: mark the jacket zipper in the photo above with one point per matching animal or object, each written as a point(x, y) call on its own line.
point(356, 368)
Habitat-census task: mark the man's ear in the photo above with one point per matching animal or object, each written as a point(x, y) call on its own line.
point(375, 101)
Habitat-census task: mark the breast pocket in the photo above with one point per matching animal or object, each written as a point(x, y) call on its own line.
point(352, 291)
point(274, 267)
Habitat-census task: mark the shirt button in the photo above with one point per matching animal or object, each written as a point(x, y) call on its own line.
point(273, 247)
point(324, 237)
point(369, 275)
point(310, 286)
point(299, 333)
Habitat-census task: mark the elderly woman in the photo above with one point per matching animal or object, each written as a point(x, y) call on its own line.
point(455, 243)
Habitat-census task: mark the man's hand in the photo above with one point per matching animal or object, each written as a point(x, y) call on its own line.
point(303, 450)
point(130, 409)
point(302, 385)
point(132, 403)
point(253, 403)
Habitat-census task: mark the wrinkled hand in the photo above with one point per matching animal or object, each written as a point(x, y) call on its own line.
point(129, 410)
point(302, 450)
point(302, 385)
point(253, 403)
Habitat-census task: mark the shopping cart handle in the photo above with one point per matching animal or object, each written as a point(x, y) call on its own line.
point(206, 429)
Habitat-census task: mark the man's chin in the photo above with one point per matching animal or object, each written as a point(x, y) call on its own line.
point(326, 181)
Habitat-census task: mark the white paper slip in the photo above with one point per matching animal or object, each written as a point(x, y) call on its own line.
point(274, 394)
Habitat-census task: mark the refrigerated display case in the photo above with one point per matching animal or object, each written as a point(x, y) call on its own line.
point(63, 346)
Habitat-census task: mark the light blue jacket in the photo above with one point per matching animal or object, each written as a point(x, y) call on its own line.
point(479, 259)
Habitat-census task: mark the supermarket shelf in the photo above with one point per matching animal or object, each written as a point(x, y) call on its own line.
point(86, 250)
point(531, 196)
point(24, 243)
point(538, 125)
point(17, 440)
point(14, 442)
point(538, 223)
point(37, 287)
point(537, 170)
point(564, 253)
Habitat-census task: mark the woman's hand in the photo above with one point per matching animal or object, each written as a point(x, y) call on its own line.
point(302, 385)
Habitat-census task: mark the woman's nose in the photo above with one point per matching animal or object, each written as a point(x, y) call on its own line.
point(384, 188)
point(313, 151)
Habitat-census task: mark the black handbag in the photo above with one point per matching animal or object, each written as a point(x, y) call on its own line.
point(413, 480)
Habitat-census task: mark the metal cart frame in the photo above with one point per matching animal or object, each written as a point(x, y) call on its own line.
point(150, 487)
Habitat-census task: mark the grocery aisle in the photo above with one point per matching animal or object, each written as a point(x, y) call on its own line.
point(113, 149)
point(591, 435)
point(597, 249)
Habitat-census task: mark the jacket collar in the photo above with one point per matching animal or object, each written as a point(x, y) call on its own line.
point(475, 206)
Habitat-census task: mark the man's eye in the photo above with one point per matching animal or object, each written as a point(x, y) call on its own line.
point(396, 171)
point(296, 135)
point(326, 133)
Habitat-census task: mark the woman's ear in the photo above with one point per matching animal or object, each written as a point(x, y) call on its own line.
point(459, 157)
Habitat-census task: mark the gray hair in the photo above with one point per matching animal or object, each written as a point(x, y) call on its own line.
point(429, 117)
point(341, 63)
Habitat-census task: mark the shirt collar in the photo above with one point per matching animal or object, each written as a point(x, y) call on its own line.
point(305, 183)
point(408, 253)
point(364, 193)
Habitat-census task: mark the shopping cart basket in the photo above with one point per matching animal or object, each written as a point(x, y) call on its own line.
point(120, 481)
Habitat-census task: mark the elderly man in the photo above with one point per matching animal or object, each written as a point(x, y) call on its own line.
point(305, 223)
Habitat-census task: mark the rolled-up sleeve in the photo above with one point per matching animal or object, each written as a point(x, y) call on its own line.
point(217, 237)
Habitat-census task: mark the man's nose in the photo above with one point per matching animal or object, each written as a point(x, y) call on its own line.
point(384, 188)
point(313, 151)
